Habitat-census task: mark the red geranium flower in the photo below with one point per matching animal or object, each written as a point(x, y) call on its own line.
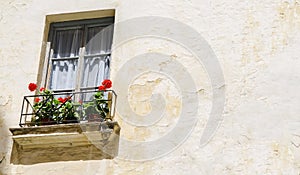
point(36, 100)
point(32, 86)
point(42, 89)
point(107, 83)
point(61, 100)
point(101, 88)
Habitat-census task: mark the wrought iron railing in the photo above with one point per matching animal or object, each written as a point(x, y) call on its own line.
point(68, 107)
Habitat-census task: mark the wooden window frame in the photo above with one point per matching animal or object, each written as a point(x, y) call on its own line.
point(55, 26)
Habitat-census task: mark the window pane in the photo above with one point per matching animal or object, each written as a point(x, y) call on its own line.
point(99, 40)
point(67, 43)
point(63, 74)
point(95, 70)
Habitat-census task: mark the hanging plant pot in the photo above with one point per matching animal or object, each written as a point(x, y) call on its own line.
point(95, 118)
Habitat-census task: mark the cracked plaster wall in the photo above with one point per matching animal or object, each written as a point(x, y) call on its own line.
point(257, 44)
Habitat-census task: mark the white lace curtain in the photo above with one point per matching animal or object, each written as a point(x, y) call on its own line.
point(96, 60)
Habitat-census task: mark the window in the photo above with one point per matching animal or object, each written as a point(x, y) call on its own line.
point(79, 54)
point(76, 58)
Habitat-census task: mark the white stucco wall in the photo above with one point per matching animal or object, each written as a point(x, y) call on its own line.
point(257, 44)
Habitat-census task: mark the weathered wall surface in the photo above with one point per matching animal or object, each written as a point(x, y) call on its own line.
point(257, 44)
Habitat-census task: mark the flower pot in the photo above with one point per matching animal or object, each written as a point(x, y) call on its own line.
point(70, 121)
point(95, 118)
point(47, 121)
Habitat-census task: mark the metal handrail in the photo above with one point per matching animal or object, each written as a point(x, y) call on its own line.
point(79, 107)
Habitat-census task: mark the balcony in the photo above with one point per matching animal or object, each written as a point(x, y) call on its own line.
point(66, 126)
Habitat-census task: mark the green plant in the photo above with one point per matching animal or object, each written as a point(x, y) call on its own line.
point(98, 109)
point(43, 108)
point(50, 110)
point(47, 109)
point(67, 112)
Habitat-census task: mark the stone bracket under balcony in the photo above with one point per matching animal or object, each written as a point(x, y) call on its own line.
point(65, 142)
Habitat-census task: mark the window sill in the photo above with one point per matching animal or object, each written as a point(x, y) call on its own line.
point(65, 142)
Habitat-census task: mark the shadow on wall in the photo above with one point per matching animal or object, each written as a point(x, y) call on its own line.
point(4, 135)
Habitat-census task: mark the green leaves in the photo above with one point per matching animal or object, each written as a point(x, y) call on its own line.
point(47, 108)
point(97, 108)
point(53, 110)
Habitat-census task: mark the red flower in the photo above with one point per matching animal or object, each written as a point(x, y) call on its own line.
point(32, 86)
point(42, 89)
point(101, 88)
point(36, 100)
point(107, 83)
point(62, 100)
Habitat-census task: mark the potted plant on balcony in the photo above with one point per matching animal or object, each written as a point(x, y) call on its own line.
point(98, 109)
point(67, 112)
point(42, 107)
point(50, 110)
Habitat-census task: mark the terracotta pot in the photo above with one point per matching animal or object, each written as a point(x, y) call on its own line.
point(47, 121)
point(95, 118)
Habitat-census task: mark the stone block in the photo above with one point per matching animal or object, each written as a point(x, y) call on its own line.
point(65, 142)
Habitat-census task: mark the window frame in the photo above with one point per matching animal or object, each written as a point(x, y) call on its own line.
point(67, 25)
